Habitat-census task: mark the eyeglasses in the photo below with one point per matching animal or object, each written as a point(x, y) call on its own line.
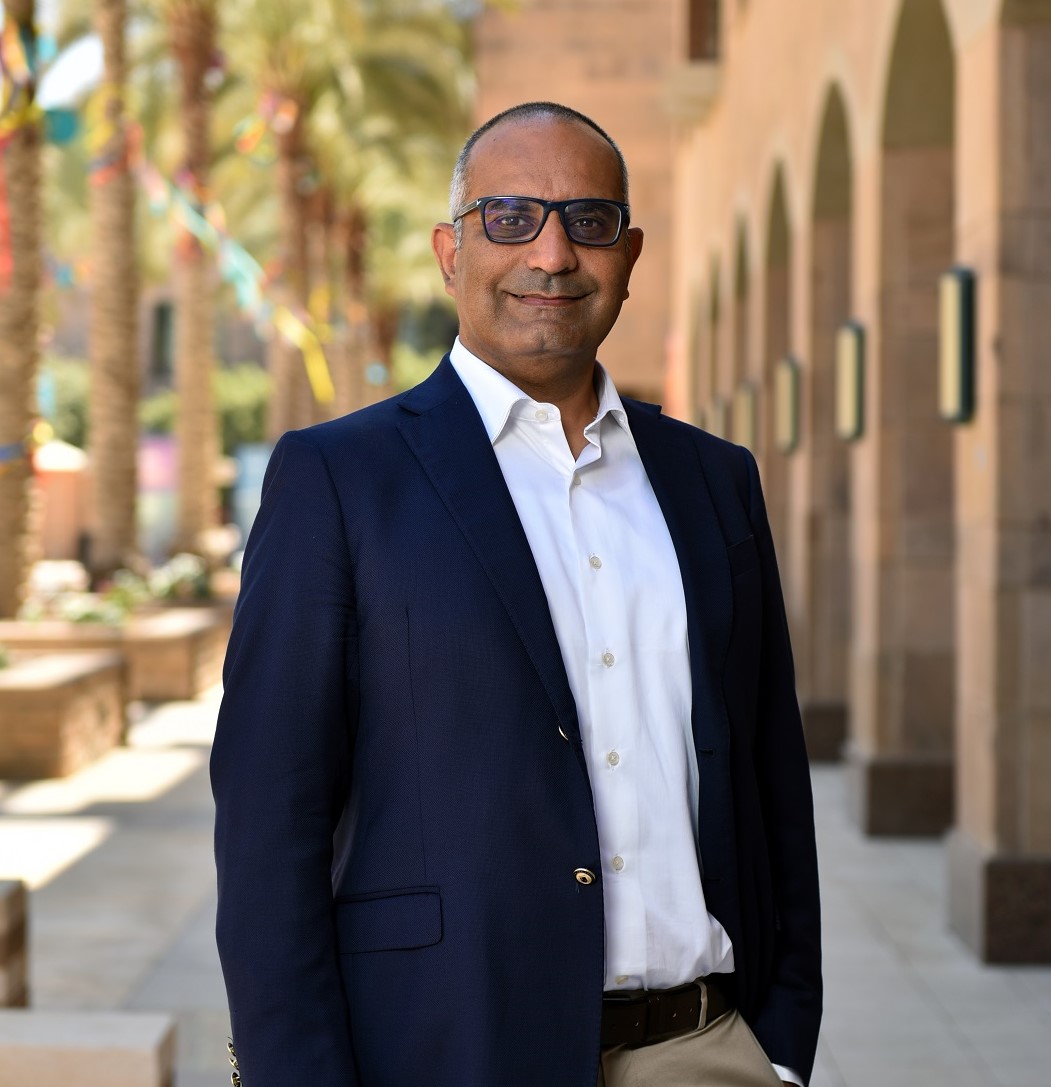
point(511, 220)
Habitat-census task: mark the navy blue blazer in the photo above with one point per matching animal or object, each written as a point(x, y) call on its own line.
point(401, 792)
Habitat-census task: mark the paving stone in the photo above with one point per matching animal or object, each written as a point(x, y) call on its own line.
point(906, 1003)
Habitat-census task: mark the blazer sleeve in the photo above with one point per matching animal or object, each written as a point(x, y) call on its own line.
point(280, 769)
point(789, 1017)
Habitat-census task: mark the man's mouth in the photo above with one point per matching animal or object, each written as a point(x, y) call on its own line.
point(547, 299)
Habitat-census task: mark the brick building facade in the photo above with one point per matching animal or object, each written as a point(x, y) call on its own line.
point(829, 162)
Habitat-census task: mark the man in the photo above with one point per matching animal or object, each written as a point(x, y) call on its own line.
point(510, 778)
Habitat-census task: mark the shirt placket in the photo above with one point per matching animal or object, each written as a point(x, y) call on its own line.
point(610, 732)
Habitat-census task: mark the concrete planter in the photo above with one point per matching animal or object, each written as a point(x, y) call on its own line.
point(172, 654)
point(88, 1049)
point(60, 711)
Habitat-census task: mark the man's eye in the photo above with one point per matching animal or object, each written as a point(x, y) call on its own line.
point(584, 226)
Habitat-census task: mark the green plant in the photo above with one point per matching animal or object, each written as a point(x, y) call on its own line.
point(63, 393)
point(183, 577)
point(241, 395)
point(411, 366)
point(157, 412)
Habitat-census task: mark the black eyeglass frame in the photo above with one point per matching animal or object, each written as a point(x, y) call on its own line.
point(548, 206)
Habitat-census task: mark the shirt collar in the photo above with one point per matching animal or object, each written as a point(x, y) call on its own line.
point(495, 397)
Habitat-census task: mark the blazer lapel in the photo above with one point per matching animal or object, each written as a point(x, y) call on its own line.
point(443, 429)
point(670, 458)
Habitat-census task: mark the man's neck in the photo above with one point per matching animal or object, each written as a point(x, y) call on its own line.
point(571, 386)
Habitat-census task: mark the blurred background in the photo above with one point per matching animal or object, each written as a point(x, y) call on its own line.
point(214, 227)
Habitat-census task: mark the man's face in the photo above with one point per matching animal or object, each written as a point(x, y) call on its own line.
point(538, 310)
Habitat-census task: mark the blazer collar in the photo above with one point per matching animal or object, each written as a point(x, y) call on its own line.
point(444, 430)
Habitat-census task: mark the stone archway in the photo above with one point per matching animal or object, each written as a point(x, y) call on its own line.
point(826, 495)
point(1000, 850)
point(710, 382)
point(903, 651)
point(740, 348)
point(777, 343)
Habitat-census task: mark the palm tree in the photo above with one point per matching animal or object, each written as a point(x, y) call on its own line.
point(192, 26)
point(114, 352)
point(388, 129)
point(19, 300)
point(282, 46)
point(348, 82)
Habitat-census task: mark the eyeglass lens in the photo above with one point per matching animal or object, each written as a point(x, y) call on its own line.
point(516, 219)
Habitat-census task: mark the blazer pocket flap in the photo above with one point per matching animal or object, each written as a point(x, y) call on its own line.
point(389, 922)
point(743, 555)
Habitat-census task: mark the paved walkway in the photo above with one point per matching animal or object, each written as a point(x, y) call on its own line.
point(119, 857)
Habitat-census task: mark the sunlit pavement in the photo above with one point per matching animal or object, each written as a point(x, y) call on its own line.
point(119, 857)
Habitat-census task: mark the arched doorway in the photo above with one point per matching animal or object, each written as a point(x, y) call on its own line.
point(712, 397)
point(827, 572)
point(903, 658)
point(740, 349)
point(776, 347)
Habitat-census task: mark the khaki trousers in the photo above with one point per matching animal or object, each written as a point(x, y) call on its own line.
point(720, 1054)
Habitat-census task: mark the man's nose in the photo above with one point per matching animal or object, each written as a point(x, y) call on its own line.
point(551, 251)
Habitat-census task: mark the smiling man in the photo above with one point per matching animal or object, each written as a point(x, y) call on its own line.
point(510, 780)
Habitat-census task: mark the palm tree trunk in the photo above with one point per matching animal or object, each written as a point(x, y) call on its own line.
point(291, 402)
point(193, 25)
point(320, 245)
point(19, 301)
point(350, 388)
point(114, 349)
point(385, 319)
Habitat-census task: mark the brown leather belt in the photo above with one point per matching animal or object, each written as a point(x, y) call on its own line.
point(637, 1017)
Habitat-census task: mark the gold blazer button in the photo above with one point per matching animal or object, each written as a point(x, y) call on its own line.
point(585, 877)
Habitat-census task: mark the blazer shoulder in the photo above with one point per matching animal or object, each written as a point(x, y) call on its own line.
point(717, 455)
point(378, 423)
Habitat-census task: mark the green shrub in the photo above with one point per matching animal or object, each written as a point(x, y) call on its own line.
point(241, 395)
point(157, 412)
point(63, 384)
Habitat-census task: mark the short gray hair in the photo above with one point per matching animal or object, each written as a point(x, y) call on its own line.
point(527, 111)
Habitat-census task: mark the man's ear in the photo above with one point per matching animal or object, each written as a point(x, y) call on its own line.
point(443, 242)
point(634, 246)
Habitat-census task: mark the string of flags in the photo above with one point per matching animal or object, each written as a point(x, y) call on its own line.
point(22, 57)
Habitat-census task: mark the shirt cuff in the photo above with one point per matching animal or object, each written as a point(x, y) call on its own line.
point(788, 1076)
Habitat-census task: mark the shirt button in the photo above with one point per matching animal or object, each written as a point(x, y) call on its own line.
point(622, 979)
point(542, 415)
point(618, 863)
point(608, 659)
point(613, 758)
point(576, 479)
point(595, 562)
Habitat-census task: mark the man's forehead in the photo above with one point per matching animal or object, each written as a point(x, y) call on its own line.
point(543, 144)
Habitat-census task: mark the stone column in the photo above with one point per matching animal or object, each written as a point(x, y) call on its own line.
point(1000, 850)
point(903, 653)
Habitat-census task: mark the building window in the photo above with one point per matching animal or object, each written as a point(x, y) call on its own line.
point(704, 29)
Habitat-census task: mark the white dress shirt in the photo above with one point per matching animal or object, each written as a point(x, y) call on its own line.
point(613, 586)
point(612, 582)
